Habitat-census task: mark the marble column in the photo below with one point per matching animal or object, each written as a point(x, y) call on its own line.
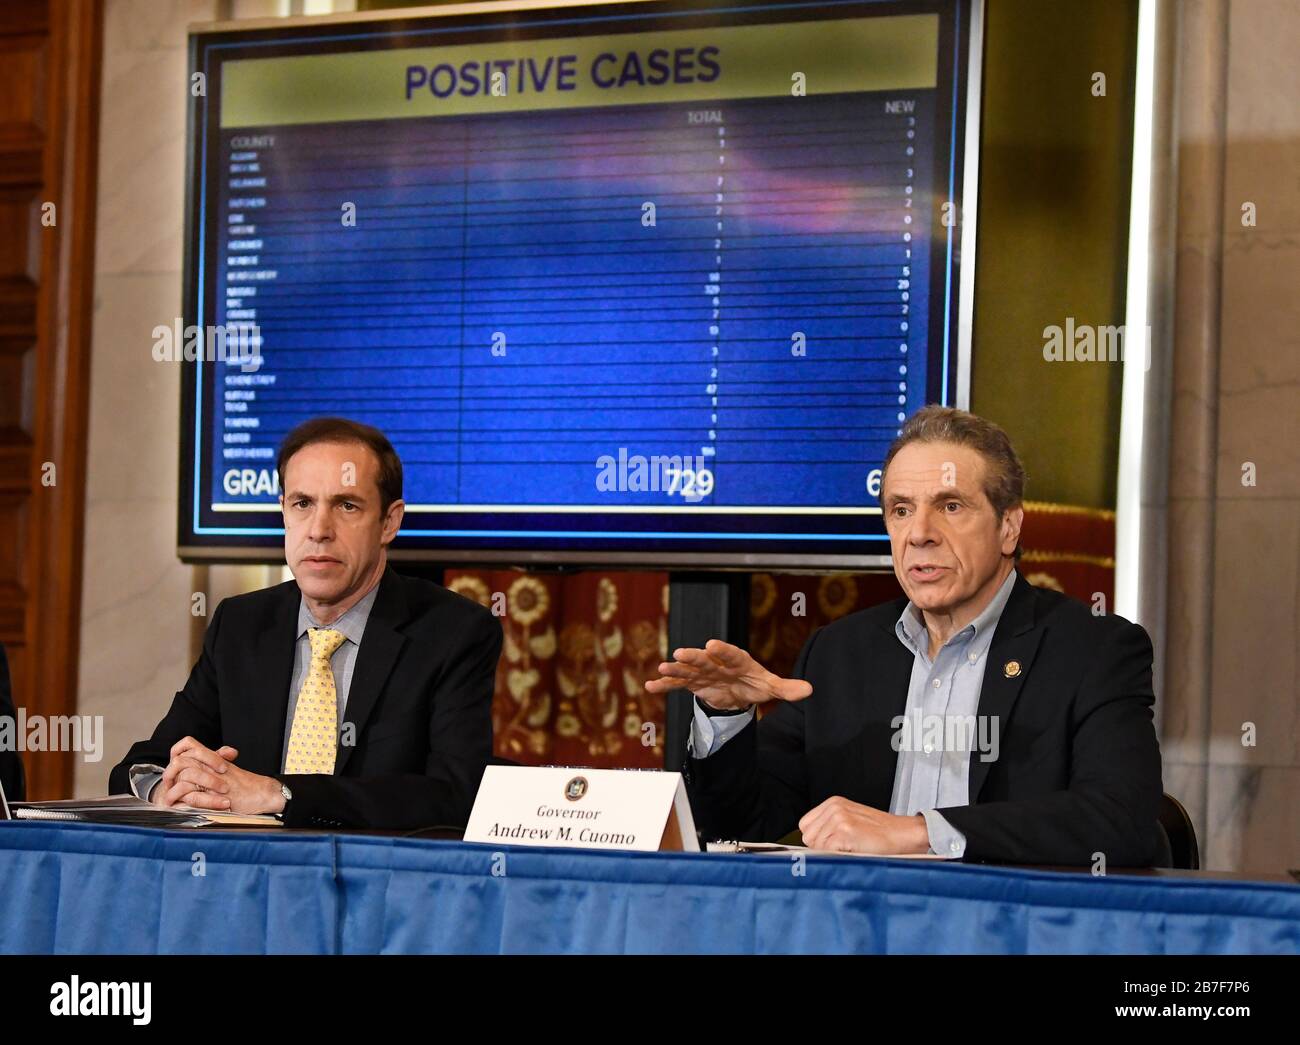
point(136, 595)
point(1231, 697)
point(139, 631)
point(1253, 807)
point(1202, 35)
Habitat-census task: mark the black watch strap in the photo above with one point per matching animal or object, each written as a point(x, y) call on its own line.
point(717, 712)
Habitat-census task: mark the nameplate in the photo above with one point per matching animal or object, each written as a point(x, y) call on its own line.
point(578, 808)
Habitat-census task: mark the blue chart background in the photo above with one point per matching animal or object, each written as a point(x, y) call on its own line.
point(528, 229)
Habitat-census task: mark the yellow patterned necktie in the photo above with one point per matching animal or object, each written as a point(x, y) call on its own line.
point(314, 737)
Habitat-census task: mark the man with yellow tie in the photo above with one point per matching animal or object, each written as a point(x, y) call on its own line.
point(350, 696)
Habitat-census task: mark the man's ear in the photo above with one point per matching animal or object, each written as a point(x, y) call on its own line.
point(392, 522)
point(1012, 520)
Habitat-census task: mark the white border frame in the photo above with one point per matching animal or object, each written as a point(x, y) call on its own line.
point(1137, 317)
point(970, 203)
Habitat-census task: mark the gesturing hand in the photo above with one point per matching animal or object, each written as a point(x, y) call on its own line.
point(725, 677)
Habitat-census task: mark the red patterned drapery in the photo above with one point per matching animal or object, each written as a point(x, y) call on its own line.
point(578, 650)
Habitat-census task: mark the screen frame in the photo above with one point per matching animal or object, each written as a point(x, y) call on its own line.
point(965, 257)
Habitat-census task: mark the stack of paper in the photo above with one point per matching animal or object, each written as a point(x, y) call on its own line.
point(768, 848)
point(127, 809)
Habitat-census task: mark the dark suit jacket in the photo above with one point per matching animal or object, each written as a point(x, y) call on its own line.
point(11, 762)
point(1078, 770)
point(420, 700)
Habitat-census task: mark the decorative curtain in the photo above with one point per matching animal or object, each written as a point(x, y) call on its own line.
point(578, 650)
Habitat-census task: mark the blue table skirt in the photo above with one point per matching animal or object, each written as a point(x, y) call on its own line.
point(77, 888)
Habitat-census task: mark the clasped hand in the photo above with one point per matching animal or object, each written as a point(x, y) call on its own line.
point(206, 779)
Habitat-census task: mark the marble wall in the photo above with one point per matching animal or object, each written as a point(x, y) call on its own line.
point(1234, 538)
point(138, 635)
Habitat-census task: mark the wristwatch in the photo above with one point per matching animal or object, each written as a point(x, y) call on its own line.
point(713, 712)
point(288, 797)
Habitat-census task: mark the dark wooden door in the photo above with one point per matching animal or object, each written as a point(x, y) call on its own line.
point(49, 101)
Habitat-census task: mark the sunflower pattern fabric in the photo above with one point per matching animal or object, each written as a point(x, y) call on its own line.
point(570, 686)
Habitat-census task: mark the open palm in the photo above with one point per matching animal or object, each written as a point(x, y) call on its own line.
point(725, 677)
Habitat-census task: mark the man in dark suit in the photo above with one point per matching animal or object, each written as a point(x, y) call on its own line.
point(350, 696)
point(978, 717)
point(11, 762)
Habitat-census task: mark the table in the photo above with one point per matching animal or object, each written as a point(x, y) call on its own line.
point(81, 888)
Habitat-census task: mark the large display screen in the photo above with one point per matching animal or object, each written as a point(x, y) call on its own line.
point(643, 282)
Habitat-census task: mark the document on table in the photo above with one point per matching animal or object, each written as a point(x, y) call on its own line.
point(127, 809)
point(769, 848)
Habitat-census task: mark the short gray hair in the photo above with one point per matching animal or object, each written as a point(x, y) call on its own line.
point(1004, 480)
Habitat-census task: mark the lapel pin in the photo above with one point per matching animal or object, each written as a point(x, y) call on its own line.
point(1011, 668)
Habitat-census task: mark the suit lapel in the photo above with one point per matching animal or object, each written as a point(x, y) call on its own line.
point(270, 684)
point(1010, 657)
point(380, 646)
point(890, 680)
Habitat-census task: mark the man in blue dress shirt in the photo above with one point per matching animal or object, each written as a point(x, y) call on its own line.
point(977, 717)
